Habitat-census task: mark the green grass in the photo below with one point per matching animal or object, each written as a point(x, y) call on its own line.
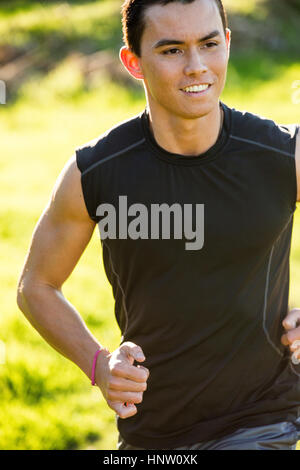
point(47, 401)
point(38, 23)
point(247, 8)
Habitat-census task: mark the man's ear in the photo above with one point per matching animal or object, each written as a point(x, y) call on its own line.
point(131, 63)
point(228, 40)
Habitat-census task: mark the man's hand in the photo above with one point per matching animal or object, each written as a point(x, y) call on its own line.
point(120, 381)
point(291, 338)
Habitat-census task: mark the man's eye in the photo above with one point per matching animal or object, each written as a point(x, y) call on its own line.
point(209, 45)
point(172, 51)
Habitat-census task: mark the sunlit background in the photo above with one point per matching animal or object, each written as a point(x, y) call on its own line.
point(64, 86)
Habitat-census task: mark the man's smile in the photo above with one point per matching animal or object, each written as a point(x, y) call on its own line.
point(196, 89)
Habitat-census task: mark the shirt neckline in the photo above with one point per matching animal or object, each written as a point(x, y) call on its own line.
point(177, 159)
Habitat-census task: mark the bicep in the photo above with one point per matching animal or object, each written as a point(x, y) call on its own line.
point(62, 232)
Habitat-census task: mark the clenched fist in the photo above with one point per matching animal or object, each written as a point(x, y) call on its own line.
point(122, 384)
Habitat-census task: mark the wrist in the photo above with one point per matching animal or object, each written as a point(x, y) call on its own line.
point(100, 357)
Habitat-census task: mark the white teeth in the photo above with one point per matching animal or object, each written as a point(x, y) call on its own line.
point(196, 88)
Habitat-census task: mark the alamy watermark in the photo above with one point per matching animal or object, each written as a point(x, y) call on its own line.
point(2, 92)
point(296, 93)
point(2, 352)
point(160, 217)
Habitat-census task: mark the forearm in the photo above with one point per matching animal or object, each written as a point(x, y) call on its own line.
point(58, 323)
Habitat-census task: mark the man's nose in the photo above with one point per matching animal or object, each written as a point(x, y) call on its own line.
point(195, 63)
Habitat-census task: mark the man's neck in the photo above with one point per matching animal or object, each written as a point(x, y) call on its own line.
point(187, 137)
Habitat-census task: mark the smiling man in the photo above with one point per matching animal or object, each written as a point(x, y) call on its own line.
point(210, 323)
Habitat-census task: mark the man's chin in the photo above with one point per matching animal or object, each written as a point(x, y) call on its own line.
point(194, 114)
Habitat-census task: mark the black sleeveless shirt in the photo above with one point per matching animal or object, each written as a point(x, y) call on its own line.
point(207, 313)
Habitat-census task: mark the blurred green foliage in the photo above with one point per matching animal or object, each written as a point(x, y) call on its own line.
point(47, 402)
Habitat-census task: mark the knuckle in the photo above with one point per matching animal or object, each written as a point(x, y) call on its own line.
point(144, 386)
point(284, 340)
point(113, 383)
point(116, 368)
point(127, 345)
point(136, 398)
point(145, 375)
point(139, 398)
point(289, 337)
point(288, 323)
point(284, 323)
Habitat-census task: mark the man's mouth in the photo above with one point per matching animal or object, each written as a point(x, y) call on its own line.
point(196, 88)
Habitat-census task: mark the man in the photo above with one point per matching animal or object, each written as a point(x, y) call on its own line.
point(195, 205)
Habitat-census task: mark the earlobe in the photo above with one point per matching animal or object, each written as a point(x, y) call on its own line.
point(131, 63)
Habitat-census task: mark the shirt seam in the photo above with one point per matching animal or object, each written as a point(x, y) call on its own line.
point(121, 288)
point(266, 303)
point(114, 155)
point(268, 147)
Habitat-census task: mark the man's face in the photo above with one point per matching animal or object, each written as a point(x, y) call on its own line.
point(184, 45)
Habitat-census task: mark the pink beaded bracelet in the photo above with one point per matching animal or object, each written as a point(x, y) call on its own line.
point(94, 366)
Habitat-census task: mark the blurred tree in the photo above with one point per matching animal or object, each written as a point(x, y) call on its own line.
point(293, 3)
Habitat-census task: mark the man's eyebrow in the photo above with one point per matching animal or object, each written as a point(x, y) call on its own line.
point(169, 42)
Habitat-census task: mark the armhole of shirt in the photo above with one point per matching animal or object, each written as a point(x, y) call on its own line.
point(81, 168)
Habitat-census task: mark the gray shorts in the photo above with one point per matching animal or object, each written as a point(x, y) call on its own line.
point(279, 436)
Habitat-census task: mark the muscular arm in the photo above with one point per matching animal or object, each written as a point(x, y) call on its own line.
point(59, 239)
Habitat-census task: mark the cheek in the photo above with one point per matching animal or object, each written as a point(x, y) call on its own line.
point(159, 76)
point(219, 63)
point(161, 71)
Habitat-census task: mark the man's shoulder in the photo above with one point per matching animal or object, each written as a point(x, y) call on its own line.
point(263, 131)
point(115, 140)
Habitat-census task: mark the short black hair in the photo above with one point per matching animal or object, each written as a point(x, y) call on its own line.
point(134, 24)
